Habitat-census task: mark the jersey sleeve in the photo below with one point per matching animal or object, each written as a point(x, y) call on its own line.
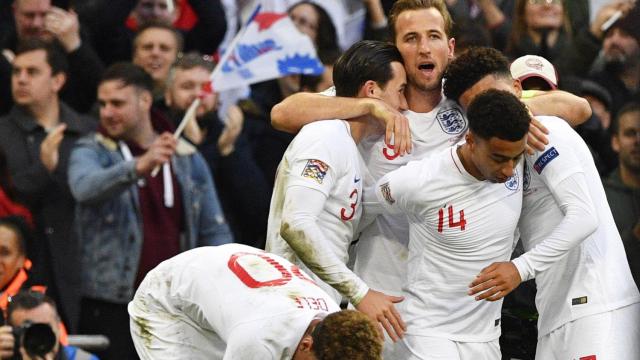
point(316, 166)
point(301, 231)
point(396, 190)
point(557, 162)
point(579, 221)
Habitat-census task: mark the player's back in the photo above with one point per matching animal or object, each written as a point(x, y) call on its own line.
point(594, 277)
point(458, 226)
point(239, 292)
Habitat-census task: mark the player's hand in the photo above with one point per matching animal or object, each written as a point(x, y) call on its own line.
point(495, 281)
point(6, 342)
point(379, 307)
point(396, 126)
point(537, 138)
point(160, 152)
point(49, 154)
point(64, 25)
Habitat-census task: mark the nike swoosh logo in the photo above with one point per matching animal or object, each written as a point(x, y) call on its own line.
point(356, 180)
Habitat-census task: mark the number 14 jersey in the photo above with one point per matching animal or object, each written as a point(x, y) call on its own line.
point(458, 225)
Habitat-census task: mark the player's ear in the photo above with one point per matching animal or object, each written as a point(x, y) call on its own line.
point(303, 352)
point(469, 139)
point(370, 89)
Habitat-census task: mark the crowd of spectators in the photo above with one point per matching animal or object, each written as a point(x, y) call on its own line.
point(89, 218)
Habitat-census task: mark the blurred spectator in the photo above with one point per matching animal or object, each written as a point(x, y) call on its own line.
point(14, 265)
point(39, 133)
point(534, 73)
point(127, 220)
point(155, 48)
point(596, 130)
point(37, 308)
point(488, 20)
point(5, 85)
point(623, 186)
point(540, 27)
point(8, 202)
point(314, 21)
point(621, 52)
point(113, 39)
point(241, 185)
point(39, 19)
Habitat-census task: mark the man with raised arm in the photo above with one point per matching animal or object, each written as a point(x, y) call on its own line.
point(587, 300)
point(317, 200)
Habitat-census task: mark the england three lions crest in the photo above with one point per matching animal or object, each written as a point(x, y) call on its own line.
point(513, 182)
point(451, 121)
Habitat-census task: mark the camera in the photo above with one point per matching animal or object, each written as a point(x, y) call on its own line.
point(37, 339)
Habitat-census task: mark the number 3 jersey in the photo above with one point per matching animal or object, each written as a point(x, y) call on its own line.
point(249, 303)
point(458, 225)
point(323, 157)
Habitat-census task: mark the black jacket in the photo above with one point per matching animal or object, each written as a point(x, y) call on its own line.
point(54, 250)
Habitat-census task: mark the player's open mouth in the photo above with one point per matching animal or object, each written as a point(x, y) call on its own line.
point(426, 67)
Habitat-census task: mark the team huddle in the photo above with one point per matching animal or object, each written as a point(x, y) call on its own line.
point(431, 217)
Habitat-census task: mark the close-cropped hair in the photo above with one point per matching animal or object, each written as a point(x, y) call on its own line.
point(55, 55)
point(470, 67)
point(401, 6)
point(28, 300)
point(190, 61)
point(363, 61)
point(629, 107)
point(160, 25)
point(128, 74)
point(500, 114)
point(346, 334)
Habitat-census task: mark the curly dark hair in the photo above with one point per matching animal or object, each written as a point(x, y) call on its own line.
point(470, 67)
point(500, 114)
point(346, 334)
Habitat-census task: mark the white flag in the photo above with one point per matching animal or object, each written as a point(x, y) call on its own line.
point(270, 47)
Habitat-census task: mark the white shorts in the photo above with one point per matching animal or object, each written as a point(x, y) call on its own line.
point(159, 331)
point(613, 335)
point(413, 347)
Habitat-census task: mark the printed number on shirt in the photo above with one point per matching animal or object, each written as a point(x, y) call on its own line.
point(352, 206)
point(389, 152)
point(258, 270)
point(452, 224)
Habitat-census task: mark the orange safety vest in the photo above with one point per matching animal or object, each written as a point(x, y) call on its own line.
point(15, 286)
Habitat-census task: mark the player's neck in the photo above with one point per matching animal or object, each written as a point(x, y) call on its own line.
point(464, 153)
point(422, 101)
point(363, 127)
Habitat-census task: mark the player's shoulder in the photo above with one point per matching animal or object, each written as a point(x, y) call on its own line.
point(325, 130)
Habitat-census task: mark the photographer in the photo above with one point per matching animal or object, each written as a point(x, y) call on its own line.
point(37, 309)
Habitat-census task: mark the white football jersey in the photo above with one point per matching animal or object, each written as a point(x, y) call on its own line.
point(323, 157)
point(257, 303)
point(594, 277)
point(381, 253)
point(457, 226)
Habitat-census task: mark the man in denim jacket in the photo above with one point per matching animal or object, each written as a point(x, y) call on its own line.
point(128, 220)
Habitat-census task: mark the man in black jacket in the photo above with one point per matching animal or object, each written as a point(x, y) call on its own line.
point(37, 136)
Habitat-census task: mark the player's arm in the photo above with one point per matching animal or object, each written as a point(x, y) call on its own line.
point(299, 109)
point(579, 221)
point(299, 228)
point(573, 109)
